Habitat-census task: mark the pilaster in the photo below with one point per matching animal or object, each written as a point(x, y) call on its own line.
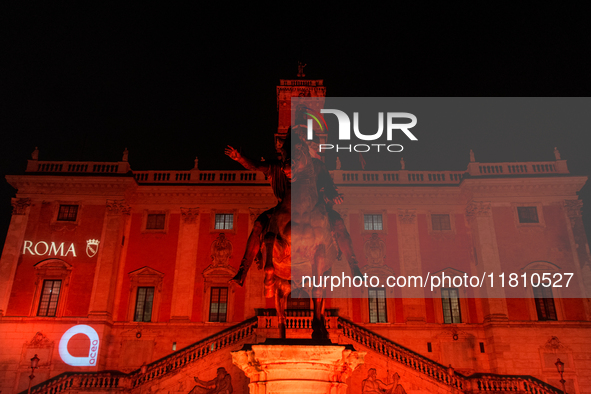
point(479, 214)
point(12, 248)
point(410, 264)
point(103, 290)
point(186, 260)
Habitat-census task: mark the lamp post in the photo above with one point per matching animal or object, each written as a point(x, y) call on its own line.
point(34, 363)
point(560, 367)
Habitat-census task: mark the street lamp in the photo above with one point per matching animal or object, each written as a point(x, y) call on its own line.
point(560, 367)
point(34, 363)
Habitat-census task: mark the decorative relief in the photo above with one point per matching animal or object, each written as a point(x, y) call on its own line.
point(375, 250)
point(221, 250)
point(39, 340)
point(20, 205)
point(189, 215)
point(478, 208)
point(407, 216)
point(553, 344)
point(115, 207)
point(573, 208)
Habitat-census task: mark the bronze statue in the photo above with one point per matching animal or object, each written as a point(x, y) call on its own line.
point(270, 240)
point(221, 384)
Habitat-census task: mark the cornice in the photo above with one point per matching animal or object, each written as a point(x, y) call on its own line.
point(68, 185)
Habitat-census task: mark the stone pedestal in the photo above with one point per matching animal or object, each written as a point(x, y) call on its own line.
point(297, 367)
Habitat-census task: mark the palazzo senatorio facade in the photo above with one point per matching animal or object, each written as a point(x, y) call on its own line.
point(133, 268)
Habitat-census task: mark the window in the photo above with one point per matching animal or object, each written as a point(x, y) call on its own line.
point(440, 222)
point(143, 304)
point(451, 306)
point(155, 221)
point(67, 213)
point(544, 303)
point(218, 305)
point(49, 298)
point(373, 222)
point(528, 214)
point(224, 221)
point(377, 306)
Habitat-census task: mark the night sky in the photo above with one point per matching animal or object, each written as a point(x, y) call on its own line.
point(171, 83)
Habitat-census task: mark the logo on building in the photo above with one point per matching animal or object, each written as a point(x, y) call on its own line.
point(92, 246)
point(93, 349)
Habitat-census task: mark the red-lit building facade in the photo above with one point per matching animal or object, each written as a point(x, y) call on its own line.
point(143, 258)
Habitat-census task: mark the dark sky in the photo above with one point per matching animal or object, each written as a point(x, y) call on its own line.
point(171, 83)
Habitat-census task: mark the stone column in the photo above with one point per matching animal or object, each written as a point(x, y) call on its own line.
point(409, 250)
point(186, 260)
point(12, 248)
point(298, 369)
point(479, 215)
point(105, 275)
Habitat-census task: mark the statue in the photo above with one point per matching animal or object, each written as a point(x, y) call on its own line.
point(301, 70)
point(35, 154)
point(221, 384)
point(338, 163)
point(402, 163)
point(472, 159)
point(125, 155)
point(270, 240)
point(372, 385)
point(196, 166)
point(556, 153)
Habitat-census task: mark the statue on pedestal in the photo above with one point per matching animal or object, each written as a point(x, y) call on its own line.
point(304, 190)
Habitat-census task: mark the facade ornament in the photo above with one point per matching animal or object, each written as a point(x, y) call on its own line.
point(301, 70)
point(338, 163)
point(554, 345)
point(125, 155)
point(116, 207)
point(472, 159)
point(20, 205)
point(39, 340)
point(375, 250)
point(478, 208)
point(189, 215)
point(402, 163)
point(556, 153)
point(253, 214)
point(221, 250)
point(35, 154)
point(407, 216)
point(196, 166)
point(573, 208)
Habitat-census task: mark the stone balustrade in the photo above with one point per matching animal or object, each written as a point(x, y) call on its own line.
point(340, 177)
point(477, 383)
point(518, 168)
point(78, 167)
point(119, 381)
point(90, 381)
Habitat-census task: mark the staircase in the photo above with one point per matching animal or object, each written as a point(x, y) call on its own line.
point(113, 381)
point(476, 383)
